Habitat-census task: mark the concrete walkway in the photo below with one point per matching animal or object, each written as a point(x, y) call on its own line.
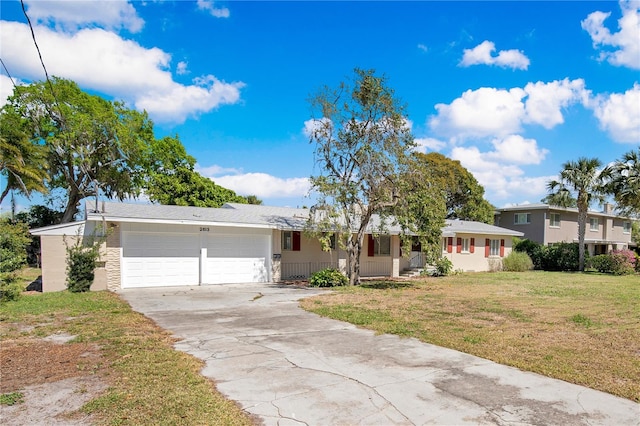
point(290, 367)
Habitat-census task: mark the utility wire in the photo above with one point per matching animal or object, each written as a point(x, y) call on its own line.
point(8, 74)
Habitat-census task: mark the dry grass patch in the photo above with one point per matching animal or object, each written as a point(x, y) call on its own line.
point(148, 381)
point(582, 328)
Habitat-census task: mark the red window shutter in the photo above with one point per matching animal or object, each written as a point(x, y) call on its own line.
point(450, 245)
point(458, 245)
point(473, 245)
point(370, 246)
point(296, 241)
point(487, 247)
point(501, 248)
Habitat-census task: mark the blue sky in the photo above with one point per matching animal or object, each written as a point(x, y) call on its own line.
point(511, 89)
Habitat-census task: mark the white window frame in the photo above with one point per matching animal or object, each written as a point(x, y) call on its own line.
point(444, 244)
point(626, 227)
point(554, 223)
point(466, 245)
point(593, 220)
point(521, 218)
point(494, 248)
point(287, 240)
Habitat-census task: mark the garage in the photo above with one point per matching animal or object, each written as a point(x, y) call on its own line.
point(236, 258)
point(153, 259)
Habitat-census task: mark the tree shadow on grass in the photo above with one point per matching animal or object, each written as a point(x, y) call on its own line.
point(386, 284)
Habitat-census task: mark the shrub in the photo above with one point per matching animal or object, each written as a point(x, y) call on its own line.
point(82, 257)
point(10, 287)
point(623, 262)
point(328, 277)
point(14, 238)
point(601, 263)
point(443, 266)
point(559, 257)
point(517, 262)
point(495, 265)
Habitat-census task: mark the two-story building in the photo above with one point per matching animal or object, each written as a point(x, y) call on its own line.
point(548, 224)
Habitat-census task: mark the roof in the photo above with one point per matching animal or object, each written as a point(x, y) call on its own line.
point(71, 228)
point(542, 206)
point(252, 216)
point(454, 227)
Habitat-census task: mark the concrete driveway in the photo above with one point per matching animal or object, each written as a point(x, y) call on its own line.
point(290, 367)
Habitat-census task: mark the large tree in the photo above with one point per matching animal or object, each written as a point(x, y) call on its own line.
point(624, 183)
point(464, 195)
point(92, 144)
point(362, 148)
point(22, 161)
point(172, 178)
point(584, 182)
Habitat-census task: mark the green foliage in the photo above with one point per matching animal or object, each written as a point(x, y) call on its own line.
point(443, 267)
point(558, 257)
point(362, 148)
point(584, 182)
point(10, 287)
point(583, 320)
point(601, 263)
point(464, 195)
point(624, 183)
point(82, 257)
point(14, 238)
point(517, 261)
point(37, 217)
point(328, 278)
point(11, 398)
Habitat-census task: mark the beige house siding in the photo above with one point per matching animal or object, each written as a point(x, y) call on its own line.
point(303, 262)
point(534, 231)
point(54, 264)
point(476, 261)
point(567, 232)
point(112, 257)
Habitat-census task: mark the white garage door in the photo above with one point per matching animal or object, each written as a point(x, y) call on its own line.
point(236, 259)
point(154, 259)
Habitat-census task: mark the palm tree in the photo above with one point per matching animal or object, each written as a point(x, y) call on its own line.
point(582, 181)
point(624, 183)
point(22, 162)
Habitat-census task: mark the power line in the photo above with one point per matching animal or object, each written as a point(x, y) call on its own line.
point(8, 74)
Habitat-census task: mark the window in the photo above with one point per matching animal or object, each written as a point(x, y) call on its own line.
point(522, 218)
point(626, 227)
point(554, 220)
point(495, 248)
point(291, 240)
point(593, 223)
point(444, 245)
point(379, 246)
point(465, 245)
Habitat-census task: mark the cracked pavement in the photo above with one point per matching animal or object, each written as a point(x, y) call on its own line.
point(291, 367)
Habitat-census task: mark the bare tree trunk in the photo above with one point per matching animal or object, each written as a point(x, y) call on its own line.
point(4, 193)
point(72, 207)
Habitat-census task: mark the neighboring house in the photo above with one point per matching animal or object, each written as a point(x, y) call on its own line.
point(157, 245)
point(547, 224)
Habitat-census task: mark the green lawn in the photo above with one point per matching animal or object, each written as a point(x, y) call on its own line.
point(582, 328)
point(149, 382)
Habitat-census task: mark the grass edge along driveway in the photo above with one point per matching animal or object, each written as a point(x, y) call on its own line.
point(583, 328)
point(148, 381)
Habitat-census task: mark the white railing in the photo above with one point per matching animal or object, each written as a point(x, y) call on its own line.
point(299, 271)
point(375, 269)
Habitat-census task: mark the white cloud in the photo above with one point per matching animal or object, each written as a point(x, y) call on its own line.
point(545, 101)
point(103, 61)
point(215, 170)
point(619, 114)
point(425, 144)
point(515, 149)
point(501, 181)
point(209, 6)
point(6, 88)
point(482, 55)
point(312, 125)
point(488, 111)
point(482, 112)
point(264, 185)
point(181, 68)
point(423, 47)
point(623, 47)
point(72, 15)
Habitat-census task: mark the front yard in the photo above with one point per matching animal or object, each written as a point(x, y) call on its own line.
point(582, 328)
point(115, 365)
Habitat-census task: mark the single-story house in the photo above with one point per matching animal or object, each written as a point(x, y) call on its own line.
point(157, 245)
